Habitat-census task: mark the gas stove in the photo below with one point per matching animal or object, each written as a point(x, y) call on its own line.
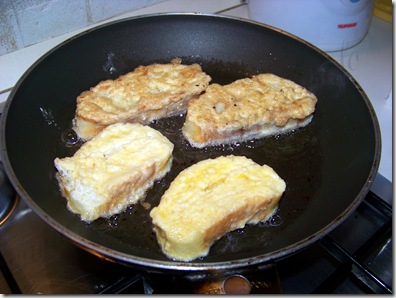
point(356, 257)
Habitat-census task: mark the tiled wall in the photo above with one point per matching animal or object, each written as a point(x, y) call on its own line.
point(26, 22)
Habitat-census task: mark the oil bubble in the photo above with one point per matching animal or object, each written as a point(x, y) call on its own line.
point(275, 221)
point(70, 138)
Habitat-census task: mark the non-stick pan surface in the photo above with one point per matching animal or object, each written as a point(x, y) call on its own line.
point(328, 166)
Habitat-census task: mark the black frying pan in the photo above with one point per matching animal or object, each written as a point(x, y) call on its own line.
point(328, 166)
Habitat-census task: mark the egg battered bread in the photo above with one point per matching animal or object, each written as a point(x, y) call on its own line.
point(148, 93)
point(113, 170)
point(246, 109)
point(211, 198)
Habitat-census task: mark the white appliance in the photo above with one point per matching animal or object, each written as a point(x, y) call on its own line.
point(331, 25)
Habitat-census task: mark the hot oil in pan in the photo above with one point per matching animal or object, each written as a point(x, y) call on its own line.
point(295, 156)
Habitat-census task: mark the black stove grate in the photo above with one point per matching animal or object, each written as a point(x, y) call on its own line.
point(354, 266)
point(354, 258)
point(9, 279)
point(350, 266)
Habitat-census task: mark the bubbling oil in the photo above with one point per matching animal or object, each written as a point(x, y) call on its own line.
point(70, 138)
point(274, 221)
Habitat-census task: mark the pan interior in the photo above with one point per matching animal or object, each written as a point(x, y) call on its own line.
point(325, 165)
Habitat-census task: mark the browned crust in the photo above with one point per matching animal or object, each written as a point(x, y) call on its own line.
point(248, 108)
point(143, 95)
point(248, 214)
point(210, 199)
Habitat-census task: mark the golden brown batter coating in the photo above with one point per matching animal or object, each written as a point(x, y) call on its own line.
point(212, 198)
point(148, 93)
point(113, 170)
point(246, 109)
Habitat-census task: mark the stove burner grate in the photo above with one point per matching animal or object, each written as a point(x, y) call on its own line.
point(354, 265)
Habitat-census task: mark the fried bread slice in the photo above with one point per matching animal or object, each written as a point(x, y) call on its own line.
point(113, 170)
point(211, 198)
point(143, 95)
point(246, 109)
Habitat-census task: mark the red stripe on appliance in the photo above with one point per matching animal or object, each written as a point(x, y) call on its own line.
point(350, 25)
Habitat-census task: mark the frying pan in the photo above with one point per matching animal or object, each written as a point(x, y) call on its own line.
point(328, 166)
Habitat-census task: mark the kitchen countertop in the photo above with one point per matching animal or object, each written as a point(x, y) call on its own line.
point(369, 62)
